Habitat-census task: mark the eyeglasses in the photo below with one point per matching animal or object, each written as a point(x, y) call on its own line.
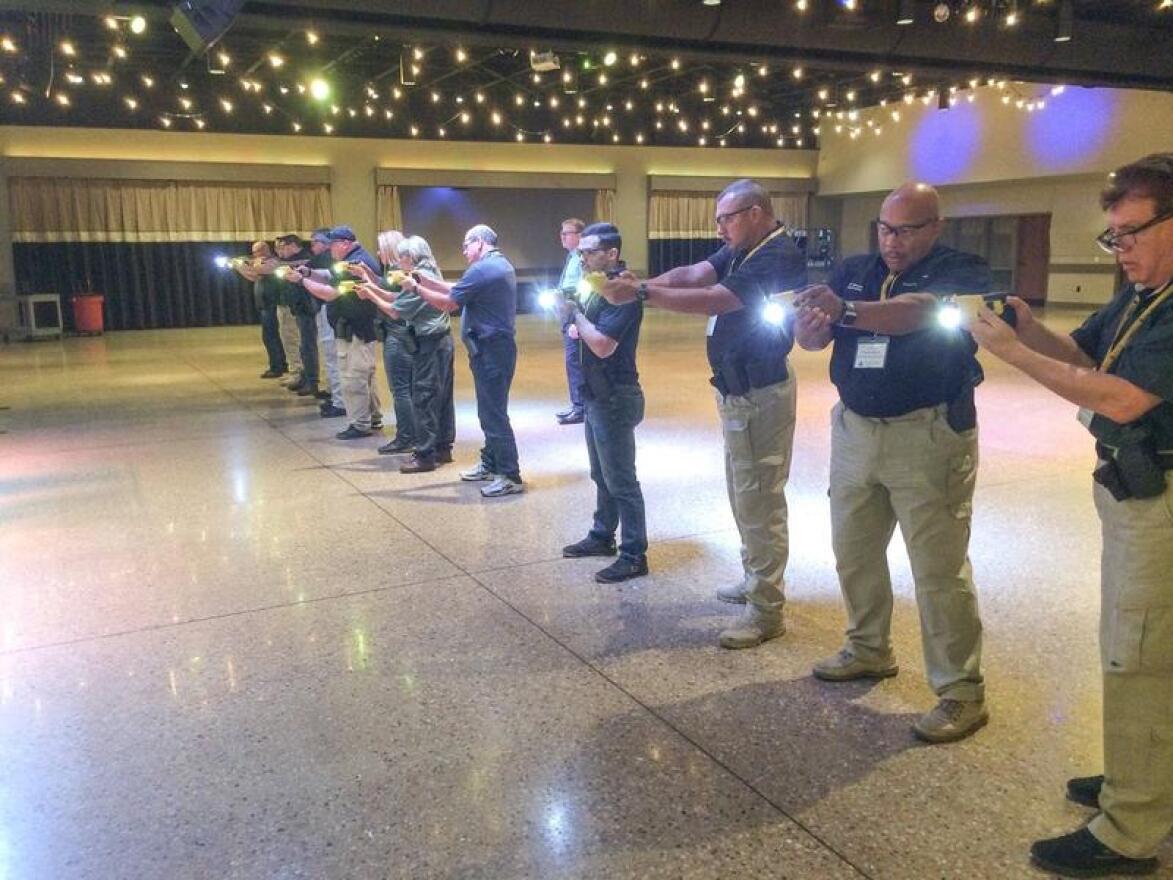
point(908, 229)
point(723, 219)
point(584, 252)
point(1114, 242)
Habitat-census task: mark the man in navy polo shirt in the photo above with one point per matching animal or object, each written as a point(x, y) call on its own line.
point(488, 293)
point(755, 390)
point(904, 450)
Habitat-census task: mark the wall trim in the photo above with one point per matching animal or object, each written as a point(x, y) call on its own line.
point(683, 183)
point(493, 179)
point(134, 169)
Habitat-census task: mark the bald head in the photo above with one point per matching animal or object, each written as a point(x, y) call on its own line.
point(909, 224)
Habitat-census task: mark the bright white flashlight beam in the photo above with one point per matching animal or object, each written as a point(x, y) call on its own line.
point(774, 313)
point(584, 287)
point(949, 316)
point(547, 299)
point(221, 261)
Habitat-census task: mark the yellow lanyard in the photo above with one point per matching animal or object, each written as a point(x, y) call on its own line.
point(886, 287)
point(1123, 336)
point(757, 247)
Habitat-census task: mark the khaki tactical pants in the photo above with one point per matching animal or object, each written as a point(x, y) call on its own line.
point(759, 438)
point(356, 360)
point(1136, 653)
point(290, 339)
point(915, 471)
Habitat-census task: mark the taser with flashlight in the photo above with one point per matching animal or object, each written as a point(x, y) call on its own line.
point(960, 309)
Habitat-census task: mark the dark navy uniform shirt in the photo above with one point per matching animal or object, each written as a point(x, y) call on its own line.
point(776, 266)
point(1147, 360)
point(488, 293)
point(923, 368)
point(360, 314)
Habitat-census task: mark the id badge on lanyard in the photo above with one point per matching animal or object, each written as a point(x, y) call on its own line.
point(871, 352)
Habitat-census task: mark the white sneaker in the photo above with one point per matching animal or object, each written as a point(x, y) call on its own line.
point(473, 474)
point(502, 486)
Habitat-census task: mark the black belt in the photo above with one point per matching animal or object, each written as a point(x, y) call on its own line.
point(738, 379)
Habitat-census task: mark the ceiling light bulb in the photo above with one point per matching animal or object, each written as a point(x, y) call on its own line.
point(138, 24)
point(67, 48)
point(311, 37)
point(610, 58)
point(276, 60)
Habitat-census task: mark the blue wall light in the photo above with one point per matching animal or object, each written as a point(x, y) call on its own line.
point(946, 143)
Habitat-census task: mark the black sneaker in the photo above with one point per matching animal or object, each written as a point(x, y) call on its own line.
point(1080, 854)
point(352, 433)
point(564, 413)
point(574, 417)
point(308, 390)
point(590, 546)
point(395, 447)
point(323, 394)
point(623, 569)
point(443, 456)
point(330, 411)
point(1085, 790)
point(272, 374)
point(418, 464)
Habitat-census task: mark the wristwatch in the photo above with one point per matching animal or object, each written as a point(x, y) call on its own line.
point(641, 292)
point(847, 319)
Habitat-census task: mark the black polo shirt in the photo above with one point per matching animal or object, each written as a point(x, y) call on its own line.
point(922, 368)
point(622, 324)
point(487, 291)
point(752, 276)
point(359, 313)
point(1147, 360)
point(299, 300)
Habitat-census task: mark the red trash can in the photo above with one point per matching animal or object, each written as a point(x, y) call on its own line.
point(87, 312)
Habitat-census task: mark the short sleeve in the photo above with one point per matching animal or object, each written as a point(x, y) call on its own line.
point(720, 261)
point(465, 289)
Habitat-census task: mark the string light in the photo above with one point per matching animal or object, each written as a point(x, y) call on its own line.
point(7, 44)
point(18, 98)
point(68, 49)
point(120, 52)
point(311, 37)
point(276, 61)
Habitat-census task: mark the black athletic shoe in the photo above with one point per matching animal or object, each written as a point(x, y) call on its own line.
point(1080, 854)
point(1085, 790)
point(623, 569)
point(323, 394)
point(443, 456)
point(574, 417)
point(352, 433)
point(589, 546)
point(272, 374)
point(395, 447)
point(418, 464)
point(330, 411)
point(310, 390)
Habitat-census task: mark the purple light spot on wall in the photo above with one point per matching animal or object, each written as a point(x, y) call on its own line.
point(1072, 129)
point(945, 143)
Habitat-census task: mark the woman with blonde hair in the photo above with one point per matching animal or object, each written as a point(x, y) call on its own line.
point(429, 334)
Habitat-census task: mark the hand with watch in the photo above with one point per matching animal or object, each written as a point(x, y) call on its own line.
point(824, 299)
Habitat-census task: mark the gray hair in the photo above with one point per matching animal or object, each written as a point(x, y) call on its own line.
point(753, 193)
point(417, 249)
point(481, 232)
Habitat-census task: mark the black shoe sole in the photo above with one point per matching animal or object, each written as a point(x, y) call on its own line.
point(1133, 867)
point(613, 579)
point(578, 555)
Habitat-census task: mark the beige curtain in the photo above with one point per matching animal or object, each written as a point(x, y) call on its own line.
point(604, 206)
point(791, 210)
point(681, 215)
point(388, 210)
point(51, 209)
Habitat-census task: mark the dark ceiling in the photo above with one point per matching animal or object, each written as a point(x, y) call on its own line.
point(674, 79)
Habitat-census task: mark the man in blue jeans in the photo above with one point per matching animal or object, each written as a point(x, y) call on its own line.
point(571, 273)
point(613, 404)
point(265, 295)
point(488, 293)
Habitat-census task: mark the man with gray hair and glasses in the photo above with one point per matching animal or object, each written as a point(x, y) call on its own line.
point(1118, 368)
point(488, 293)
point(754, 387)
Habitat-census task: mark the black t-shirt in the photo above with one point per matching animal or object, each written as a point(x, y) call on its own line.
point(1147, 360)
point(360, 314)
point(299, 300)
point(922, 368)
point(622, 324)
point(773, 266)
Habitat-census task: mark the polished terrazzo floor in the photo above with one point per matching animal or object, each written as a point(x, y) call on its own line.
point(234, 647)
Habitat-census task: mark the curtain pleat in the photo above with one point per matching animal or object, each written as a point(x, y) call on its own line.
point(604, 206)
point(388, 208)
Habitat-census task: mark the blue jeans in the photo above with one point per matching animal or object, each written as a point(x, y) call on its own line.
point(399, 366)
point(573, 369)
point(307, 331)
point(610, 436)
point(492, 366)
point(271, 337)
